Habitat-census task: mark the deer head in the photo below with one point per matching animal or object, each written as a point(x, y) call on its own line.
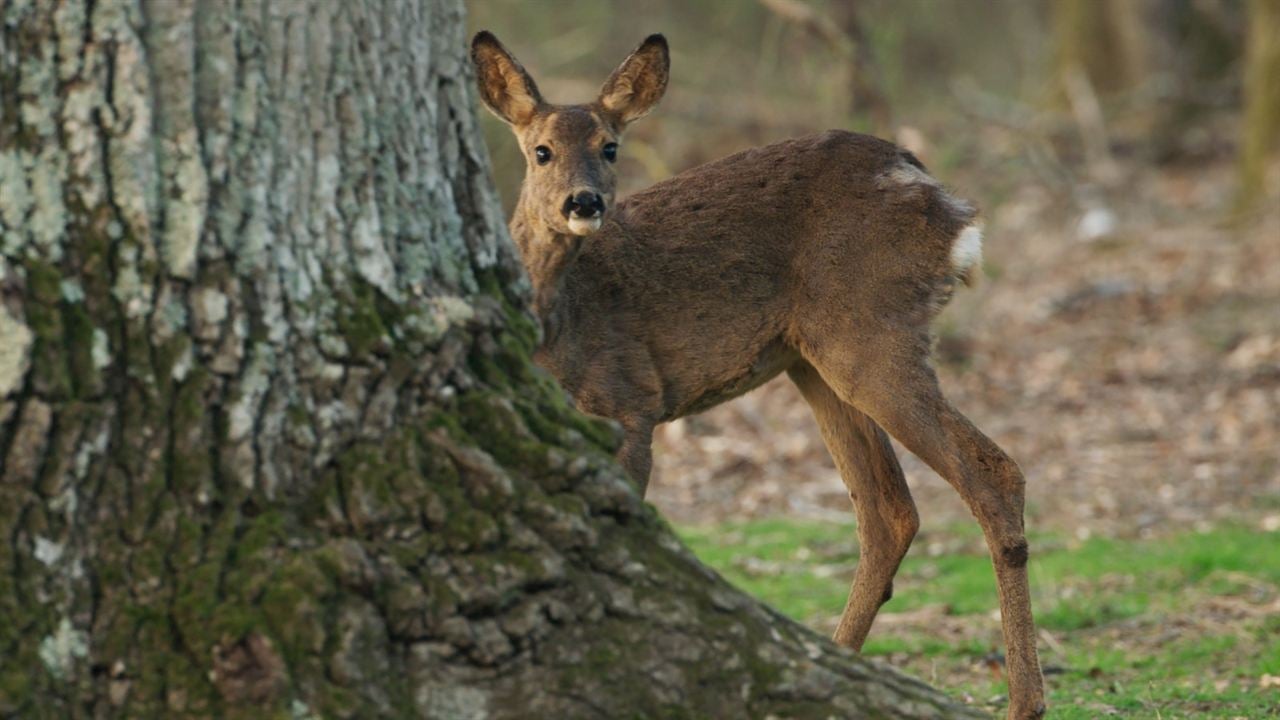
point(570, 150)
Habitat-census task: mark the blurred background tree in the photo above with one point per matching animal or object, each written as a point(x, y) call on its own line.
point(1261, 135)
point(843, 33)
point(1103, 40)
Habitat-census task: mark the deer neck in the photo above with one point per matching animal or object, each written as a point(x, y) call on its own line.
point(548, 257)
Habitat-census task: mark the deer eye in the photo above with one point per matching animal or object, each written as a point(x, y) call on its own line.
point(543, 154)
point(611, 151)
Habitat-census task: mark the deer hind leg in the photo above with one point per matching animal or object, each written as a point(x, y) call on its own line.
point(898, 388)
point(887, 519)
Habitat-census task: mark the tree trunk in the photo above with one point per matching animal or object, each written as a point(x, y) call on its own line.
point(270, 442)
point(866, 90)
point(1260, 136)
point(1104, 40)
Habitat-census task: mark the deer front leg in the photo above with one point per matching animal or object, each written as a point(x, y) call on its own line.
point(887, 519)
point(636, 453)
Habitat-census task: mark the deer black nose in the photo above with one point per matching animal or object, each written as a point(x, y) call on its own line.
point(585, 204)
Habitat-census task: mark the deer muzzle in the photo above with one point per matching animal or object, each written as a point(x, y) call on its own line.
point(584, 211)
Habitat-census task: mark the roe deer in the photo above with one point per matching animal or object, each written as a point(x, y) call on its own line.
point(825, 256)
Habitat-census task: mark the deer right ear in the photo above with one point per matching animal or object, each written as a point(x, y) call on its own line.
point(505, 86)
point(638, 83)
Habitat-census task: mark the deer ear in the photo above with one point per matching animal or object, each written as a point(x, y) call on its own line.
point(505, 86)
point(638, 83)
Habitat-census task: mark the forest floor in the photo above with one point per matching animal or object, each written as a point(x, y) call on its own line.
point(1185, 626)
point(1124, 347)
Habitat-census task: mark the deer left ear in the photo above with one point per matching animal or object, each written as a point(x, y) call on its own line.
point(638, 83)
point(505, 86)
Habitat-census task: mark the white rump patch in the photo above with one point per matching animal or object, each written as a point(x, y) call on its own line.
point(966, 253)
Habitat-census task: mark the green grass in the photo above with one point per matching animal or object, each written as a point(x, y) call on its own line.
point(1183, 626)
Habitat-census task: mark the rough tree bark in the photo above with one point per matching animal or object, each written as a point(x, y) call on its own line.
point(270, 441)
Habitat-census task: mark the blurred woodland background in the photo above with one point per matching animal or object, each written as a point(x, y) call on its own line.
point(1124, 345)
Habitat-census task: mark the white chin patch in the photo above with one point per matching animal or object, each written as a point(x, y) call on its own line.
point(584, 226)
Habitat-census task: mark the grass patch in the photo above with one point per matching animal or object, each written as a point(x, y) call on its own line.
point(1184, 626)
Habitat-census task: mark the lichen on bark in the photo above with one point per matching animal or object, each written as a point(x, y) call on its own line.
point(15, 346)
